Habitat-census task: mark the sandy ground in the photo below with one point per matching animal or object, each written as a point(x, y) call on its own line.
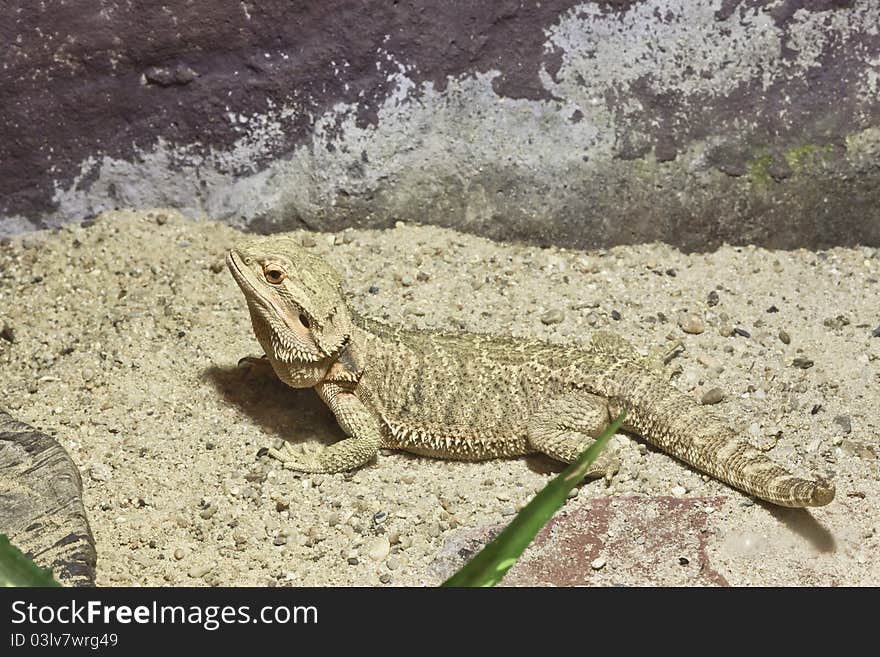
point(125, 338)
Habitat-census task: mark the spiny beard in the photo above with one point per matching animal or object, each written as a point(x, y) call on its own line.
point(277, 343)
point(272, 332)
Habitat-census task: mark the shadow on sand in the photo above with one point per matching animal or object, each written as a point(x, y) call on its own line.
point(802, 523)
point(296, 415)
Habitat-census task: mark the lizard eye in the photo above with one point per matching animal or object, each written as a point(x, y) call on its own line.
point(274, 273)
point(304, 320)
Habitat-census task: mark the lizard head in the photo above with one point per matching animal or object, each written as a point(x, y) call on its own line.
point(295, 299)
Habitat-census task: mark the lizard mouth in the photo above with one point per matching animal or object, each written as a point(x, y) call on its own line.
point(232, 259)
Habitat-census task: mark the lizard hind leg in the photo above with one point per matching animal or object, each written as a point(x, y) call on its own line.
point(568, 425)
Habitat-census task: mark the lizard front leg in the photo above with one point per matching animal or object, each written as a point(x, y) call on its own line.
point(565, 426)
point(356, 420)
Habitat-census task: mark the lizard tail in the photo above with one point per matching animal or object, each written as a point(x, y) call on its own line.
point(679, 426)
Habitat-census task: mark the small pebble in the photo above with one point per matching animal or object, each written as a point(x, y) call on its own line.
point(552, 317)
point(380, 518)
point(352, 561)
point(100, 471)
point(725, 331)
point(615, 315)
point(179, 554)
point(208, 513)
point(692, 324)
point(784, 337)
point(308, 241)
point(385, 578)
point(876, 332)
point(773, 309)
point(802, 363)
point(683, 561)
point(708, 361)
point(679, 491)
point(279, 540)
point(200, 571)
point(836, 323)
point(742, 332)
point(851, 447)
point(598, 564)
point(713, 396)
point(282, 505)
point(844, 422)
point(379, 548)
point(217, 266)
point(7, 333)
point(374, 289)
point(713, 298)
point(392, 563)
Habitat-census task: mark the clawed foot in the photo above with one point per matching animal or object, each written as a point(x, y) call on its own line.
point(296, 459)
point(605, 466)
point(256, 363)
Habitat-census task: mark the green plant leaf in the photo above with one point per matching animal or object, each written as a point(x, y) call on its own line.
point(17, 570)
point(493, 561)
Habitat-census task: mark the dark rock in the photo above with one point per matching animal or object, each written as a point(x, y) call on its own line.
point(207, 75)
point(8, 333)
point(42, 511)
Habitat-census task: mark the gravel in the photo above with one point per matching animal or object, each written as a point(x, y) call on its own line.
point(135, 397)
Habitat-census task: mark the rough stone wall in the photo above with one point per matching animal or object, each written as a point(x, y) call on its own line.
point(579, 123)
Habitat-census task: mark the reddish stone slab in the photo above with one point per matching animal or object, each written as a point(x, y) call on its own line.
point(643, 541)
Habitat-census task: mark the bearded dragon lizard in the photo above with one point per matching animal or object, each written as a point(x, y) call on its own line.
point(475, 396)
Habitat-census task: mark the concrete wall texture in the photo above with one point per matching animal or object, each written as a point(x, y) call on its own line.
point(578, 123)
